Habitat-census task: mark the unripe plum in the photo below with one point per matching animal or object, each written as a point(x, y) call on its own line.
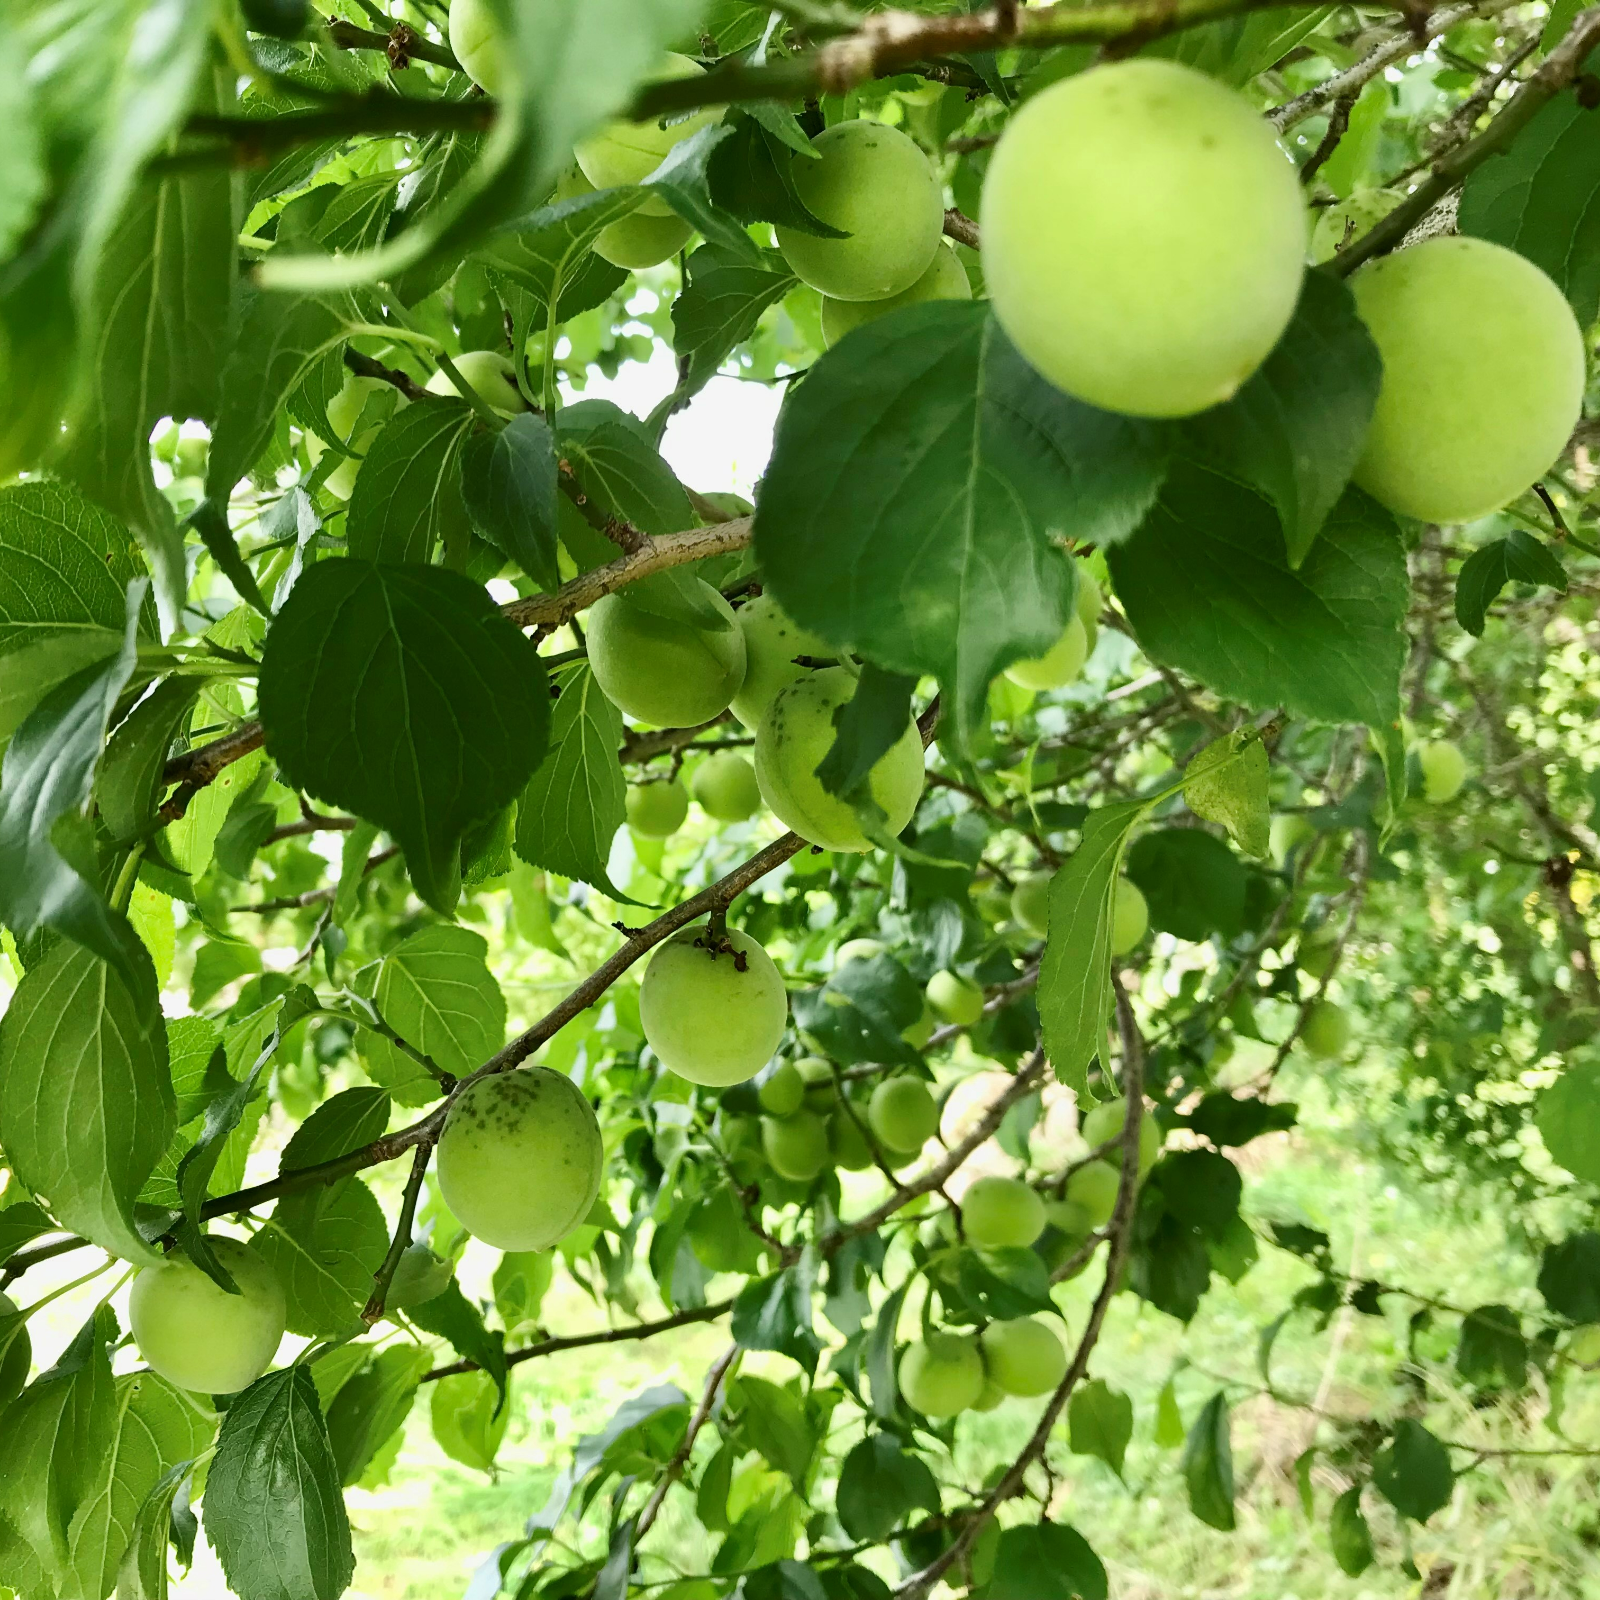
point(1024, 1356)
point(1089, 604)
point(1059, 665)
point(817, 1075)
point(771, 642)
point(477, 43)
point(1093, 1189)
point(1144, 237)
point(1444, 770)
point(662, 671)
point(918, 1033)
point(196, 1334)
point(343, 413)
point(847, 1144)
point(1483, 374)
point(871, 181)
point(657, 810)
point(903, 1114)
point(520, 1158)
point(1327, 1030)
point(954, 998)
point(856, 950)
point(1104, 1121)
point(942, 1374)
point(945, 279)
point(795, 735)
point(797, 1146)
point(1584, 1345)
point(991, 1396)
point(1340, 225)
point(1001, 1213)
point(783, 1091)
point(489, 375)
point(641, 240)
point(725, 786)
point(711, 1016)
point(1030, 902)
point(1130, 917)
point(628, 152)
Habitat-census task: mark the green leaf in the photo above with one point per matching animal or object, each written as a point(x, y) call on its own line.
point(20, 1224)
point(922, 480)
point(1100, 1423)
point(1201, 1189)
point(372, 1405)
point(1194, 884)
point(402, 694)
point(454, 1317)
point(1048, 1561)
point(86, 1103)
point(1229, 1121)
point(1348, 1535)
point(273, 1510)
point(1569, 1277)
point(681, 181)
point(866, 727)
point(619, 468)
point(508, 480)
point(576, 800)
point(1518, 558)
point(1208, 1465)
point(468, 1419)
point(408, 495)
point(1169, 1420)
point(880, 1361)
point(858, 1014)
point(1492, 1354)
point(346, 1122)
point(1295, 431)
point(1227, 783)
point(774, 1421)
point(325, 1246)
point(1208, 589)
point(1075, 971)
point(129, 782)
point(718, 310)
point(548, 255)
point(775, 1313)
point(752, 172)
point(56, 1432)
point(1170, 1266)
point(143, 1574)
point(1568, 1118)
point(1538, 198)
point(156, 1427)
point(1413, 1472)
point(880, 1485)
point(1236, 49)
point(26, 180)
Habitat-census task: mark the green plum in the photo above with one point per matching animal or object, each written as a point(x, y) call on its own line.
point(713, 1016)
point(847, 1143)
point(343, 413)
point(1105, 1121)
point(1130, 918)
point(945, 279)
point(771, 643)
point(1327, 1030)
point(1059, 665)
point(857, 950)
point(1024, 1356)
point(642, 240)
point(1030, 902)
point(918, 1033)
point(1340, 225)
point(196, 1334)
point(659, 670)
point(1093, 1189)
point(784, 1090)
point(796, 1147)
point(478, 44)
point(796, 733)
point(954, 998)
point(1444, 770)
point(942, 1374)
point(724, 785)
point(489, 374)
point(657, 810)
point(1144, 237)
point(628, 152)
point(520, 1158)
point(903, 1115)
point(872, 182)
point(1089, 604)
point(1483, 376)
point(1583, 1345)
point(821, 1090)
point(1001, 1213)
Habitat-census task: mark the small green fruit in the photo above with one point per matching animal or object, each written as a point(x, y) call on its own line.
point(724, 786)
point(1444, 770)
point(489, 374)
point(817, 1075)
point(856, 950)
point(659, 670)
point(1093, 1189)
point(783, 1091)
point(1583, 1346)
point(945, 279)
point(657, 810)
point(1327, 1030)
point(1130, 918)
point(1104, 1121)
point(520, 1158)
point(1059, 665)
point(942, 1375)
point(1030, 902)
point(903, 1115)
point(1089, 604)
point(771, 643)
point(1001, 1213)
point(955, 999)
point(710, 1017)
point(196, 1334)
point(477, 43)
point(797, 1146)
point(918, 1033)
point(1024, 1356)
point(847, 1144)
point(628, 152)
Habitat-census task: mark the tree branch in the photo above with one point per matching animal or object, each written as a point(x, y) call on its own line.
point(402, 44)
point(680, 1456)
point(384, 1276)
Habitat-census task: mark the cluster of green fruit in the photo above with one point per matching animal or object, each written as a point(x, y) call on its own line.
point(944, 1373)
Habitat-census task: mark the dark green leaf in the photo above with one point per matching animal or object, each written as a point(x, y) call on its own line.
point(719, 309)
point(774, 1313)
point(880, 1362)
point(346, 1122)
point(20, 1224)
point(143, 1574)
point(618, 467)
point(1100, 1423)
point(1412, 1471)
point(1208, 589)
point(774, 1421)
point(402, 694)
point(880, 1485)
point(1171, 1267)
point(1200, 1188)
point(922, 479)
point(1569, 1277)
point(371, 1405)
point(452, 1316)
point(1229, 1121)
point(1194, 884)
point(408, 494)
point(1208, 1465)
point(128, 783)
point(1348, 1535)
point(508, 480)
point(1048, 1561)
point(1517, 558)
point(1295, 431)
point(682, 182)
point(752, 174)
point(866, 727)
point(1492, 1354)
point(274, 1513)
point(857, 1016)
point(548, 256)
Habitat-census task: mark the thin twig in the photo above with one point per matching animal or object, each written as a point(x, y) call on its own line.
point(680, 1456)
point(384, 1276)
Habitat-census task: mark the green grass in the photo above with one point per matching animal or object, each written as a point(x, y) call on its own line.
point(1517, 1529)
